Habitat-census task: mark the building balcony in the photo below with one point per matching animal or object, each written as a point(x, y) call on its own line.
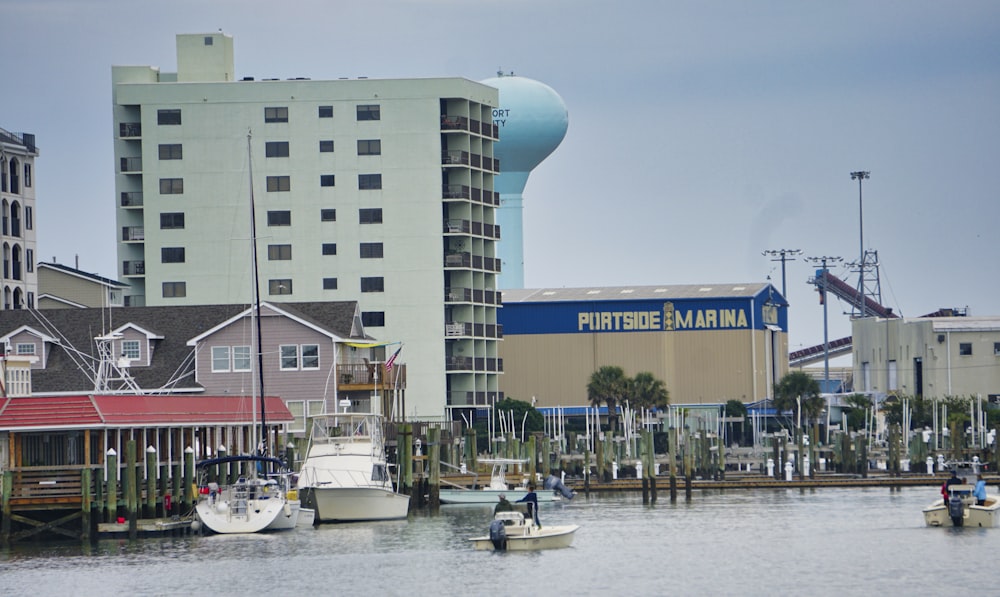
point(458, 260)
point(369, 376)
point(132, 199)
point(456, 191)
point(457, 398)
point(454, 123)
point(455, 226)
point(455, 157)
point(129, 130)
point(469, 295)
point(134, 234)
point(130, 165)
point(133, 268)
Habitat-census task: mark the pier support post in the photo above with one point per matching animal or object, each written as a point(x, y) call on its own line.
point(672, 464)
point(111, 514)
point(404, 449)
point(189, 488)
point(86, 506)
point(532, 457)
point(150, 510)
point(175, 489)
point(8, 479)
point(546, 455)
point(434, 454)
point(131, 483)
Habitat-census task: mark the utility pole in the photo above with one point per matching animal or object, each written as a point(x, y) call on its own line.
point(860, 176)
point(783, 255)
point(826, 335)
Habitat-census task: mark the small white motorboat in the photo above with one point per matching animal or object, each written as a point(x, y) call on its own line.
point(516, 531)
point(490, 494)
point(960, 510)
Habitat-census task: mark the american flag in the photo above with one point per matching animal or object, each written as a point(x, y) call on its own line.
point(392, 359)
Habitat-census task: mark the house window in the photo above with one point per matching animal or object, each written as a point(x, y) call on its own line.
point(310, 356)
point(328, 215)
point(279, 184)
point(174, 289)
point(371, 250)
point(996, 349)
point(172, 254)
point(276, 149)
point(279, 286)
point(279, 252)
point(298, 423)
point(171, 186)
point(329, 248)
point(275, 114)
point(373, 284)
point(369, 147)
point(241, 358)
point(168, 117)
point(373, 318)
point(289, 357)
point(326, 180)
point(329, 283)
point(370, 215)
point(171, 151)
point(326, 111)
point(369, 181)
point(172, 220)
point(369, 112)
point(326, 146)
point(220, 359)
point(279, 218)
point(26, 348)
point(130, 349)
point(965, 349)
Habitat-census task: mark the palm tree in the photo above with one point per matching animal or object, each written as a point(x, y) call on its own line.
point(608, 385)
point(645, 391)
point(799, 393)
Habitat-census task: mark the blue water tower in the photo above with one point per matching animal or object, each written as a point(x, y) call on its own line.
point(532, 119)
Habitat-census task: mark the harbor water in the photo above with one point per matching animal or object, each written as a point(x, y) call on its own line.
point(736, 542)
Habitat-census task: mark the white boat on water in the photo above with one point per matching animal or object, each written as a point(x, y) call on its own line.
point(256, 502)
point(490, 494)
point(516, 531)
point(345, 475)
point(960, 510)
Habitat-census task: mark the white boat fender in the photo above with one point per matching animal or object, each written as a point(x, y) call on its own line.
point(288, 509)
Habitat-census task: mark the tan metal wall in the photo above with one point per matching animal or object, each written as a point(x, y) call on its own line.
point(697, 367)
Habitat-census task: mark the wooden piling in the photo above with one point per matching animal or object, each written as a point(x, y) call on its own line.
point(645, 471)
point(8, 480)
point(175, 489)
point(131, 482)
point(546, 456)
point(434, 481)
point(150, 510)
point(86, 506)
point(405, 451)
point(672, 464)
point(532, 457)
point(111, 512)
point(189, 488)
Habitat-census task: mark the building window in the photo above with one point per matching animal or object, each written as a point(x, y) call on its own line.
point(130, 349)
point(329, 283)
point(29, 218)
point(174, 289)
point(965, 349)
point(27, 175)
point(310, 356)
point(289, 357)
point(280, 286)
point(276, 149)
point(29, 260)
point(25, 348)
point(279, 184)
point(31, 300)
point(279, 252)
point(369, 112)
point(369, 147)
point(329, 248)
point(220, 359)
point(298, 424)
point(369, 181)
point(172, 220)
point(326, 111)
point(241, 358)
point(996, 349)
point(172, 254)
point(326, 146)
point(275, 114)
point(326, 180)
point(279, 218)
point(168, 117)
point(371, 250)
point(373, 318)
point(171, 186)
point(370, 215)
point(328, 215)
point(209, 41)
point(171, 151)
point(375, 284)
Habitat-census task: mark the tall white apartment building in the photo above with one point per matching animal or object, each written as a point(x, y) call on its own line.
point(18, 280)
point(379, 191)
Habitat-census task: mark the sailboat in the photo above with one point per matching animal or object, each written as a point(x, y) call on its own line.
point(261, 498)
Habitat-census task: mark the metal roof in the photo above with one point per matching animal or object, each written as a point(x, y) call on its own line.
point(617, 293)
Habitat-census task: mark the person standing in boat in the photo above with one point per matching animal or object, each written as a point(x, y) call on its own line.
point(980, 491)
point(532, 500)
point(503, 505)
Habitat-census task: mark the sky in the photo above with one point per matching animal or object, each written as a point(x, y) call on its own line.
point(701, 133)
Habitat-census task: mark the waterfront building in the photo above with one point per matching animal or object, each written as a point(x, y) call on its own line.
point(708, 343)
point(376, 191)
point(64, 287)
point(18, 245)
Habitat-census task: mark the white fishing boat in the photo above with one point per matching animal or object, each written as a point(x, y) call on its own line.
point(960, 510)
point(345, 476)
point(490, 494)
point(514, 530)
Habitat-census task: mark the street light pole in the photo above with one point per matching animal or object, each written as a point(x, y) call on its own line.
point(860, 176)
point(783, 255)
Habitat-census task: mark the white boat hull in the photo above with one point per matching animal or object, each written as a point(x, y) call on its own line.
point(488, 496)
point(219, 516)
point(545, 538)
point(988, 516)
point(352, 504)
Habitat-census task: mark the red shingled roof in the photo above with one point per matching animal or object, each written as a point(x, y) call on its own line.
point(89, 411)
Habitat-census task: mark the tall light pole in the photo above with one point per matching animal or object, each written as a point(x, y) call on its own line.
point(783, 255)
point(860, 176)
point(826, 335)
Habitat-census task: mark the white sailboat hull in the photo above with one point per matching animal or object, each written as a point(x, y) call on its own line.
point(221, 517)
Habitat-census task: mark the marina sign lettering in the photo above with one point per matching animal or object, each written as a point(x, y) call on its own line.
point(669, 319)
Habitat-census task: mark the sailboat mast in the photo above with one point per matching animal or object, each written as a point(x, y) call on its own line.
point(256, 300)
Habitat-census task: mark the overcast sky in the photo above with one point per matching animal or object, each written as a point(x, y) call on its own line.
point(700, 133)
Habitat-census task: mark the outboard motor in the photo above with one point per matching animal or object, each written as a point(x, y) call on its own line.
point(956, 510)
point(498, 535)
point(555, 483)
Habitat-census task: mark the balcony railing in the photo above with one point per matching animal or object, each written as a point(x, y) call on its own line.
point(458, 260)
point(134, 233)
point(470, 398)
point(132, 199)
point(129, 129)
point(455, 329)
point(455, 226)
point(468, 295)
point(133, 268)
point(455, 157)
point(456, 191)
point(454, 123)
point(362, 376)
point(131, 165)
